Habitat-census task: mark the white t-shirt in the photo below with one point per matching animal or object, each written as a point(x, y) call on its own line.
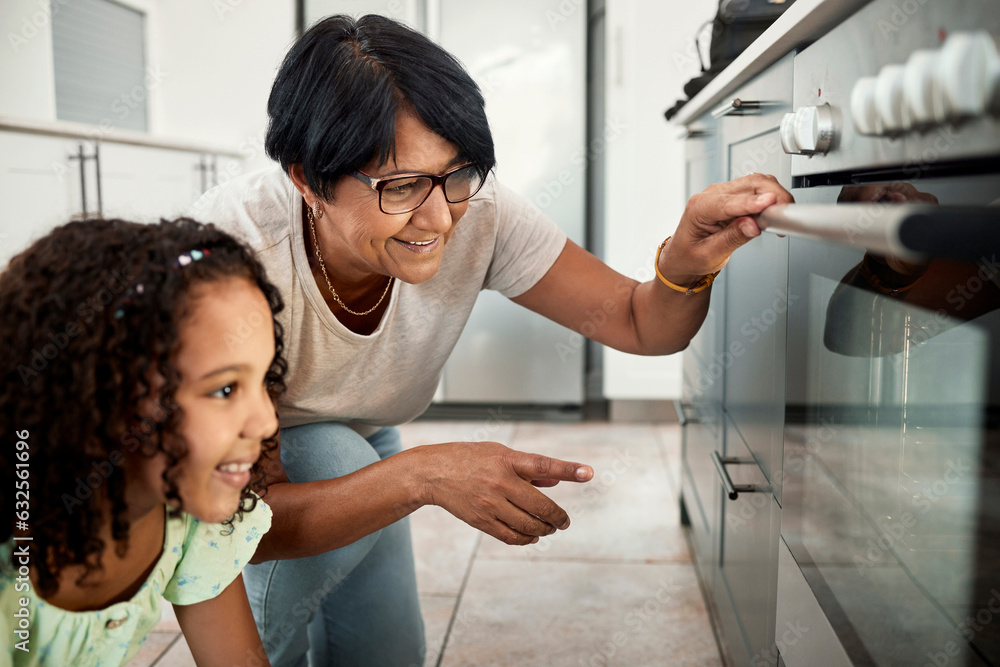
point(389, 377)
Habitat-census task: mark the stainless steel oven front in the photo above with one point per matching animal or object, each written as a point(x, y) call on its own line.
point(890, 482)
point(890, 495)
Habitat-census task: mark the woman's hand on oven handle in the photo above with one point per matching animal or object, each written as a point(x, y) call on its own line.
point(715, 223)
point(492, 487)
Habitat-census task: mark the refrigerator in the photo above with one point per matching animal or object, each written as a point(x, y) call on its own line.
point(529, 59)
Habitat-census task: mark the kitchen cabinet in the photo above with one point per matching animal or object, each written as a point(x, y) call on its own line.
point(703, 376)
point(144, 183)
point(44, 183)
point(756, 315)
point(734, 392)
point(39, 188)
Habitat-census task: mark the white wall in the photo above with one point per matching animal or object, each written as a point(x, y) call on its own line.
point(27, 78)
point(218, 60)
point(650, 55)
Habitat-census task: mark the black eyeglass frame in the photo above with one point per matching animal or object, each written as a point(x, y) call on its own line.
point(379, 184)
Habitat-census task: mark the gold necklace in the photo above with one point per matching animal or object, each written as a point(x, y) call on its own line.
point(322, 266)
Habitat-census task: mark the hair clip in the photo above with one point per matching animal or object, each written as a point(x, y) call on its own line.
point(192, 256)
point(127, 301)
point(181, 261)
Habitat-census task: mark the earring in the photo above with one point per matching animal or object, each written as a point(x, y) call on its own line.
point(317, 210)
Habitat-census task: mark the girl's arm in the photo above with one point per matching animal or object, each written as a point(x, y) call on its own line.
point(221, 631)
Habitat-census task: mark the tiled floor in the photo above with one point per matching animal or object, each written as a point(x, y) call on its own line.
point(616, 588)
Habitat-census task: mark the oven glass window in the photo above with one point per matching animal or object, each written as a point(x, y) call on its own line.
point(891, 505)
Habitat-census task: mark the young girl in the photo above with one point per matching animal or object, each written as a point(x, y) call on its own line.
point(139, 368)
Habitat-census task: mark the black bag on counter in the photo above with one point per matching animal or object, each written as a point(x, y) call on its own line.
point(737, 24)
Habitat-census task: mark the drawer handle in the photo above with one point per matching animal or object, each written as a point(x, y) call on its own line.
point(733, 491)
point(737, 106)
point(695, 134)
point(688, 415)
point(682, 417)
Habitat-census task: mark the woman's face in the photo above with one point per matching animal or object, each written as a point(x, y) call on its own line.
point(227, 344)
point(357, 239)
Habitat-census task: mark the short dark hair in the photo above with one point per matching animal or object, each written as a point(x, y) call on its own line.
point(333, 104)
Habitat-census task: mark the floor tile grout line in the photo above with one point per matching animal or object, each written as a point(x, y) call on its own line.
point(458, 600)
point(468, 572)
point(166, 649)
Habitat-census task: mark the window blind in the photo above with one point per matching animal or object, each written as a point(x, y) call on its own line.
point(99, 56)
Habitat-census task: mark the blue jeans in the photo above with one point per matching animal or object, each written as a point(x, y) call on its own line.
point(365, 592)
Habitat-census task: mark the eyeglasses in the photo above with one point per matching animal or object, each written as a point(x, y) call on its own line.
point(405, 193)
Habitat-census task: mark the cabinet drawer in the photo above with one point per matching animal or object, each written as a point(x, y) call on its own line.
point(747, 576)
point(702, 493)
point(757, 302)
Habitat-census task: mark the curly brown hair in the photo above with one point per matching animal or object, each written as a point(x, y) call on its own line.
point(91, 313)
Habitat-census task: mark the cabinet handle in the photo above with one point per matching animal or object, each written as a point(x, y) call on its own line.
point(692, 133)
point(736, 107)
point(83, 158)
point(688, 415)
point(732, 490)
point(681, 415)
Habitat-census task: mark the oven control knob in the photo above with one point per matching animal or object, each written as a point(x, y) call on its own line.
point(922, 88)
point(969, 71)
point(863, 111)
point(807, 131)
point(890, 104)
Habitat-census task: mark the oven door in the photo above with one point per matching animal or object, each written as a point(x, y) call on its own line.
point(890, 518)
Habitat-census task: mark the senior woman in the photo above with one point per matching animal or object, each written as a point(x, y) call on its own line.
point(381, 226)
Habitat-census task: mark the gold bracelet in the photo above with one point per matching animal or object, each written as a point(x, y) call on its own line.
point(694, 289)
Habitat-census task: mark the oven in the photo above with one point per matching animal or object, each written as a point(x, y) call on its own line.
point(889, 550)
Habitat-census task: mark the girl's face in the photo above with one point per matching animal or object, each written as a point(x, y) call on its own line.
point(227, 344)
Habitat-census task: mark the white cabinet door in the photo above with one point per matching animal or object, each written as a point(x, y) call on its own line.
point(145, 184)
point(39, 188)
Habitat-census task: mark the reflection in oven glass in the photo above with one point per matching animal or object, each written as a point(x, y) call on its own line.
point(891, 492)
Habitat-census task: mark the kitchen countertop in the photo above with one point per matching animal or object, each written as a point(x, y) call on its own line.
point(801, 24)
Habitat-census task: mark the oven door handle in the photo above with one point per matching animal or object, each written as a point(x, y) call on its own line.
point(908, 231)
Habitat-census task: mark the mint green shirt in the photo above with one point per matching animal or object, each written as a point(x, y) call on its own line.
point(198, 562)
